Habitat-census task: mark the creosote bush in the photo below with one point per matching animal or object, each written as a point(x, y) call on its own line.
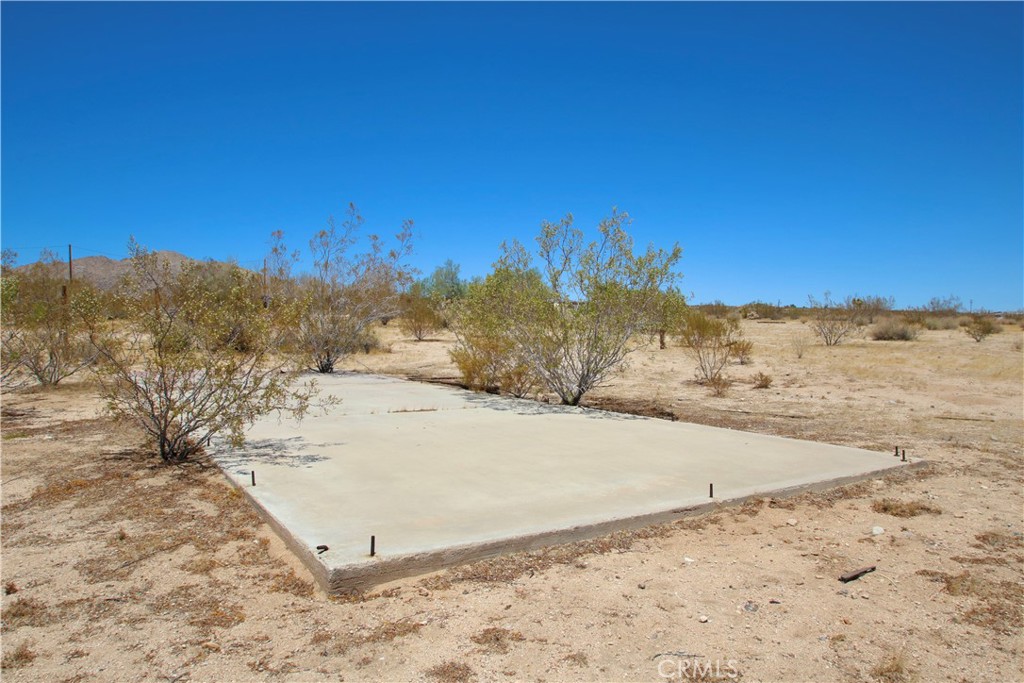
point(980, 327)
point(710, 341)
point(894, 329)
point(832, 321)
point(569, 322)
point(174, 366)
point(762, 381)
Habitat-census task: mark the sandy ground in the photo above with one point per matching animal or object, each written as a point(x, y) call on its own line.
point(117, 568)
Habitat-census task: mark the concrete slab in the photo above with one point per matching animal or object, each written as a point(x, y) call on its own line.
point(441, 476)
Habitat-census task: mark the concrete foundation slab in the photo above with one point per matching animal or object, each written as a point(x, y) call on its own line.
point(441, 476)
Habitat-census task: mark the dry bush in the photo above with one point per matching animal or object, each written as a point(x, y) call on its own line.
point(450, 672)
point(762, 381)
point(18, 657)
point(892, 669)
point(710, 341)
point(743, 351)
point(893, 329)
point(833, 321)
point(898, 508)
point(719, 385)
point(10, 588)
point(496, 639)
point(933, 322)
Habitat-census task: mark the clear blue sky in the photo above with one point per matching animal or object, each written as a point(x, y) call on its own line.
point(790, 148)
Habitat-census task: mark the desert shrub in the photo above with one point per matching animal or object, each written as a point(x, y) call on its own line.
point(172, 369)
point(743, 351)
point(940, 322)
point(868, 308)
point(45, 321)
point(833, 321)
point(894, 329)
point(719, 385)
point(892, 669)
point(799, 343)
point(760, 309)
point(347, 293)
point(710, 341)
point(947, 307)
point(715, 309)
point(980, 327)
point(762, 381)
point(420, 316)
point(575, 317)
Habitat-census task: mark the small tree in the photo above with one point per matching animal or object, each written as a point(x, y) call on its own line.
point(833, 321)
point(710, 341)
point(420, 316)
point(444, 283)
point(669, 312)
point(176, 366)
point(348, 293)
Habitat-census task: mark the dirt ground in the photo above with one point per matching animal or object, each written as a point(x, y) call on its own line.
point(116, 568)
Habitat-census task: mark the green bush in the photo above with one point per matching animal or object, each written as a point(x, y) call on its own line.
point(980, 327)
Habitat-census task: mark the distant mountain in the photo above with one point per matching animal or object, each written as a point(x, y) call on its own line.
point(104, 272)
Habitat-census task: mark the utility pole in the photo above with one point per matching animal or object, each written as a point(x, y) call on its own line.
point(266, 297)
point(71, 272)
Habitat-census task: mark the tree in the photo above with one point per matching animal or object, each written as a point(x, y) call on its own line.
point(444, 283)
point(669, 312)
point(832, 320)
point(176, 367)
point(347, 293)
point(574, 320)
point(45, 320)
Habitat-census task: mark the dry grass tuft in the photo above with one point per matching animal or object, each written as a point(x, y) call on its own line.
point(496, 639)
point(898, 508)
point(289, 582)
point(578, 658)
point(10, 588)
point(892, 669)
point(450, 672)
point(27, 612)
point(205, 611)
point(998, 540)
point(202, 565)
point(384, 632)
point(999, 605)
point(18, 657)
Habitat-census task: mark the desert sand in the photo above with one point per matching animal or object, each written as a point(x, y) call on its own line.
point(117, 568)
